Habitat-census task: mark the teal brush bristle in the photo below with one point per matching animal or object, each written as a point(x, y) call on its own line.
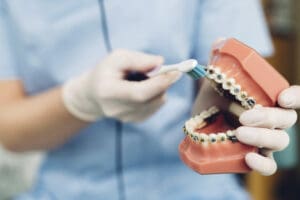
point(197, 72)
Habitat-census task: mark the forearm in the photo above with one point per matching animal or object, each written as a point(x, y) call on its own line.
point(38, 122)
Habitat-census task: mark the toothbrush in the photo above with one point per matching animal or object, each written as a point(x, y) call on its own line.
point(191, 67)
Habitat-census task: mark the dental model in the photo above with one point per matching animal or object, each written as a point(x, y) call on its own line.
point(240, 74)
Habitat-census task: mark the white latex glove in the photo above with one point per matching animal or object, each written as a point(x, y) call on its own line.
point(104, 92)
point(264, 128)
point(290, 98)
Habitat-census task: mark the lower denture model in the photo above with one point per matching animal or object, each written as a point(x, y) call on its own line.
point(239, 74)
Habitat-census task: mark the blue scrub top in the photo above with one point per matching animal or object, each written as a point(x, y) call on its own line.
point(44, 43)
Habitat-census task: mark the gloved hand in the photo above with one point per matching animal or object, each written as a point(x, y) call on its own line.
point(104, 92)
point(264, 128)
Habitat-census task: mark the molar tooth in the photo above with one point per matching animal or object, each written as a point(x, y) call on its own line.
point(228, 83)
point(222, 137)
point(212, 138)
point(242, 96)
point(235, 89)
point(203, 138)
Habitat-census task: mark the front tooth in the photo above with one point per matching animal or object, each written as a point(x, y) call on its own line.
point(203, 138)
point(228, 83)
point(213, 110)
point(221, 137)
point(205, 114)
point(212, 138)
point(189, 127)
point(210, 72)
point(198, 119)
point(235, 89)
point(242, 96)
point(220, 77)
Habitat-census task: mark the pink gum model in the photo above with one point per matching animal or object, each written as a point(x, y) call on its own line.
point(244, 77)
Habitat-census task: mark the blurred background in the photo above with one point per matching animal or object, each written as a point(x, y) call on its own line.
point(17, 172)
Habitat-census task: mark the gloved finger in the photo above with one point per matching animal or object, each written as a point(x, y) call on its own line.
point(267, 117)
point(262, 137)
point(142, 113)
point(144, 91)
point(133, 61)
point(290, 98)
point(264, 165)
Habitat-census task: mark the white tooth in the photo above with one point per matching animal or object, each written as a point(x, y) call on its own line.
point(194, 120)
point(198, 119)
point(189, 126)
point(213, 110)
point(190, 129)
point(211, 72)
point(191, 123)
point(245, 104)
point(242, 96)
point(212, 138)
point(203, 138)
point(217, 70)
point(230, 133)
point(235, 89)
point(220, 77)
point(221, 137)
point(205, 114)
point(228, 83)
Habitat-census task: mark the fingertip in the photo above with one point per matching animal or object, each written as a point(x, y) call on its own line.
point(251, 117)
point(287, 99)
point(265, 166)
point(241, 133)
